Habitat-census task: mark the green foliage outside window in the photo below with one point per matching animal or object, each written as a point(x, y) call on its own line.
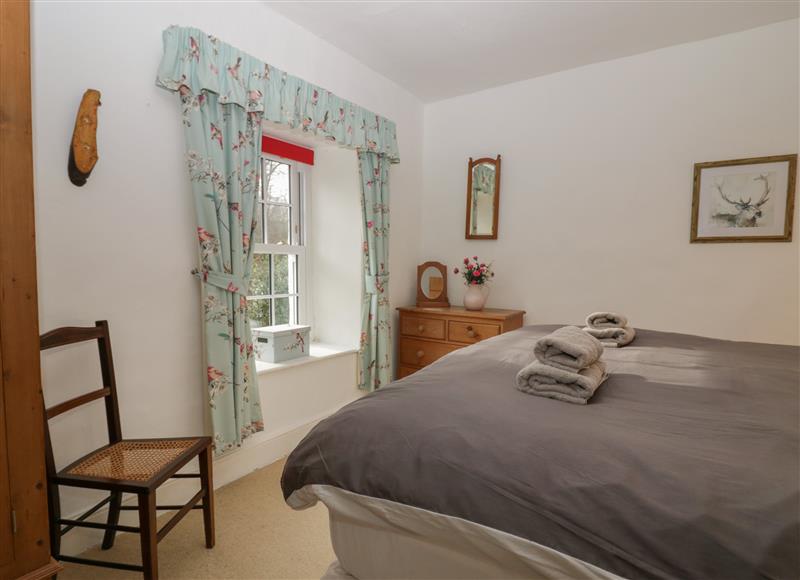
point(259, 310)
point(274, 192)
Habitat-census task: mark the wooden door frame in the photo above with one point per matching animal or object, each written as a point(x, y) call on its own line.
point(20, 377)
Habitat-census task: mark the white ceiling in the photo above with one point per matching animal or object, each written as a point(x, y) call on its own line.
point(439, 49)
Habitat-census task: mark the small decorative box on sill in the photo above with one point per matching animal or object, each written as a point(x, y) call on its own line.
point(281, 342)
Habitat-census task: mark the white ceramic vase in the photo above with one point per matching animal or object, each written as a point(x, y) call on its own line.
point(475, 297)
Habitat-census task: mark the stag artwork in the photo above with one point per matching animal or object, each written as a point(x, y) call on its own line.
point(742, 213)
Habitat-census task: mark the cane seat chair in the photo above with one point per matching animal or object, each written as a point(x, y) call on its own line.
point(133, 466)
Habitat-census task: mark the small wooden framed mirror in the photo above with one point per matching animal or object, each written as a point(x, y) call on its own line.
point(432, 285)
point(483, 198)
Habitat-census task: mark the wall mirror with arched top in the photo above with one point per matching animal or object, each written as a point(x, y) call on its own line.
point(483, 198)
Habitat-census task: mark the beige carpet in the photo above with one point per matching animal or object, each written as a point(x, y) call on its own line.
point(258, 536)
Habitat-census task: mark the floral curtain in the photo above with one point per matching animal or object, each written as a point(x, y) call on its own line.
point(223, 145)
point(375, 364)
point(200, 62)
point(226, 94)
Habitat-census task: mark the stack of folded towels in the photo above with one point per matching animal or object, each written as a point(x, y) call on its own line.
point(567, 367)
point(610, 328)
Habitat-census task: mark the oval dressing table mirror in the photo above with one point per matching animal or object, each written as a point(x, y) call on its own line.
point(483, 198)
point(432, 285)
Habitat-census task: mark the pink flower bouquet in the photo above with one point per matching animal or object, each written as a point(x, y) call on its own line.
point(475, 272)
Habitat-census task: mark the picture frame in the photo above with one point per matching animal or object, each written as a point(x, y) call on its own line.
point(744, 200)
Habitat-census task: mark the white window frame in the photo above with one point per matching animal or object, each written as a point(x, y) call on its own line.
point(300, 187)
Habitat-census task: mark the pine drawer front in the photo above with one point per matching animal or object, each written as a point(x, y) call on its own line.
point(422, 352)
point(469, 332)
point(427, 334)
point(403, 372)
point(422, 327)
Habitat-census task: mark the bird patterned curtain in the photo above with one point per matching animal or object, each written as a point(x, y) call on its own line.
point(223, 146)
point(225, 95)
point(375, 352)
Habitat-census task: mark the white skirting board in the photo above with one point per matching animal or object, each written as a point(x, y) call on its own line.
point(259, 451)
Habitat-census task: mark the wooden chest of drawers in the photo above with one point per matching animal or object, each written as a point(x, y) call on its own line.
point(427, 334)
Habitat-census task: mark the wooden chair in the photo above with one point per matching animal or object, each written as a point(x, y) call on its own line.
point(135, 466)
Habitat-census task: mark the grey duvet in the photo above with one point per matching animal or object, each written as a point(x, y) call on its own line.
point(683, 465)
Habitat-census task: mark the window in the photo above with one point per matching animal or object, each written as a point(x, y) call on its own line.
point(277, 282)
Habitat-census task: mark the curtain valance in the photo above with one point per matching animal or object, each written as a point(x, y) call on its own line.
point(202, 62)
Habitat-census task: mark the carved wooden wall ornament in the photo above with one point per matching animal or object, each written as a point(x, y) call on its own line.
point(83, 150)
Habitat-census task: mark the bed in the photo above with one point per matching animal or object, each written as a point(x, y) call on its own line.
point(683, 465)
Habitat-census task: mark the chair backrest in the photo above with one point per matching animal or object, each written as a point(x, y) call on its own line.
point(72, 335)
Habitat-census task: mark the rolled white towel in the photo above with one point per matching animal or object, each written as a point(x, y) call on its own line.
point(612, 336)
point(606, 320)
point(568, 348)
point(571, 387)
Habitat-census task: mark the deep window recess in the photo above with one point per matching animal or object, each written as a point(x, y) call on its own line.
point(277, 283)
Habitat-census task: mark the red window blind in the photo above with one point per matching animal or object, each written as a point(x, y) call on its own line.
point(291, 151)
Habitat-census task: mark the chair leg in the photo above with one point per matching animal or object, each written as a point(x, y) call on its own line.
point(54, 512)
point(113, 519)
point(148, 532)
point(207, 482)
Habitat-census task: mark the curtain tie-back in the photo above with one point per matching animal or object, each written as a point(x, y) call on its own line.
point(376, 284)
point(233, 284)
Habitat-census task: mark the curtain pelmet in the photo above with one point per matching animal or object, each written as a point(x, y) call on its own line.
point(202, 62)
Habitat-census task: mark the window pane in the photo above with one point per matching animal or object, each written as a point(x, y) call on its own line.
point(277, 224)
point(282, 274)
point(282, 314)
point(258, 311)
point(275, 181)
point(259, 278)
point(258, 235)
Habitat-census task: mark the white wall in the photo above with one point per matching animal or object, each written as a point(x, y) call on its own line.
point(121, 247)
point(336, 237)
point(597, 185)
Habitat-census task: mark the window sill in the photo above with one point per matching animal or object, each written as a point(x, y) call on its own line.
point(317, 351)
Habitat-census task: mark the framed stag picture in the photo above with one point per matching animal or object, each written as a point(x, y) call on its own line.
point(744, 200)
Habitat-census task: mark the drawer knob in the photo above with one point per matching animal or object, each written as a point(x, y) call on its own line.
point(470, 332)
point(421, 328)
point(420, 353)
